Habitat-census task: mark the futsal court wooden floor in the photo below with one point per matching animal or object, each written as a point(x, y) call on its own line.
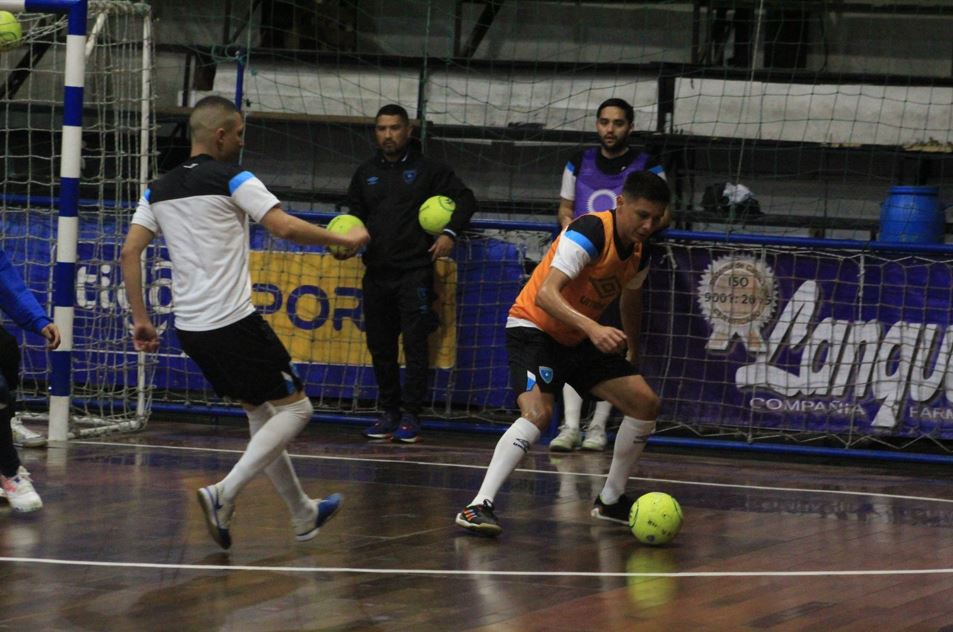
point(767, 544)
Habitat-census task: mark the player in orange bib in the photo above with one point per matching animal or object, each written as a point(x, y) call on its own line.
point(553, 337)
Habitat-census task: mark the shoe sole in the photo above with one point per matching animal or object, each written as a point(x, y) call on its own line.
point(385, 435)
point(406, 440)
point(593, 448)
point(24, 508)
point(37, 442)
point(310, 535)
point(488, 530)
point(595, 513)
point(221, 536)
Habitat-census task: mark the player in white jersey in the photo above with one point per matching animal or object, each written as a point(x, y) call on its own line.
point(202, 208)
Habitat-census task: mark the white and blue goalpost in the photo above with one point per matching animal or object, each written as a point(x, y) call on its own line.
point(64, 272)
point(116, 154)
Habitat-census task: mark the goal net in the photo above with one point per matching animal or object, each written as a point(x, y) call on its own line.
point(109, 383)
point(815, 116)
point(849, 345)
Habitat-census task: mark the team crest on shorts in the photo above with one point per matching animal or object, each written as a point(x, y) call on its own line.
point(546, 374)
point(410, 175)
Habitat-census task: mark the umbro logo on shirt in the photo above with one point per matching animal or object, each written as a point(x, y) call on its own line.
point(373, 180)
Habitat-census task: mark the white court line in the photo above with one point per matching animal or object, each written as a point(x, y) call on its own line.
point(836, 492)
point(471, 573)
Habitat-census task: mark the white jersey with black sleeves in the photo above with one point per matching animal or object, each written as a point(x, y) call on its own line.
point(202, 208)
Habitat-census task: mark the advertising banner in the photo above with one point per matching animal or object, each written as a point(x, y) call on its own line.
point(795, 339)
point(313, 302)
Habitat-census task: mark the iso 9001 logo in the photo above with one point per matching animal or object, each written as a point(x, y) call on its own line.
point(737, 295)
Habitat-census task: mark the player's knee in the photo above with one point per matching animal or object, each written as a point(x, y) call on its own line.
point(539, 414)
point(652, 405)
point(300, 411)
point(645, 405)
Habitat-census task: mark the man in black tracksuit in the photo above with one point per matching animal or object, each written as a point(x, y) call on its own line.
point(386, 193)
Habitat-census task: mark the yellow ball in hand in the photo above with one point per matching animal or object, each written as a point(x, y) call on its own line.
point(435, 213)
point(342, 225)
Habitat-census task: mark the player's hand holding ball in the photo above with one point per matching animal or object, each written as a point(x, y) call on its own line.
point(352, 228)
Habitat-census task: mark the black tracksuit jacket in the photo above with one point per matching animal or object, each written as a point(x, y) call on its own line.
point(386, 196)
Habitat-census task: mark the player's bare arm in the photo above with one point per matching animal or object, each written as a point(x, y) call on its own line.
point(550, 299)
point(144, 336)
point(564, 214)
point(630, 306)
point(286, 226)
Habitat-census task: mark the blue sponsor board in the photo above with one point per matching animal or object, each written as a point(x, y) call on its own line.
point(815, 341)
point(489, 274)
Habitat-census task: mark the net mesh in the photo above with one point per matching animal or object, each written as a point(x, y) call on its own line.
point(115, 162)
point(771, 119)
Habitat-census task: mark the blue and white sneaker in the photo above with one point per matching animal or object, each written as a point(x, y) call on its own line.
point(218, 514)
point(326, 508)
point(383, 427)
point(408, 429)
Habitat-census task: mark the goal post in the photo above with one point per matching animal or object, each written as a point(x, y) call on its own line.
point(100, 55)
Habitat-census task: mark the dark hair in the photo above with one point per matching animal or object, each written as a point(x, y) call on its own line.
point(392, 109)
point(622, 104)
point(647, 185)
point(215, 101)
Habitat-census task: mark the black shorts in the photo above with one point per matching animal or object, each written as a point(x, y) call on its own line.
point(9, 359)
point(9, 368)
point(244, 361)
point(538, 360)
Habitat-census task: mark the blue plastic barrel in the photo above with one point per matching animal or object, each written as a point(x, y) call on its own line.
point(912, 215)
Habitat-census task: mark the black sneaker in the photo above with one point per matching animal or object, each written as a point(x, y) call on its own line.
point(480, 519)
point(383, 427)
point(616, 512)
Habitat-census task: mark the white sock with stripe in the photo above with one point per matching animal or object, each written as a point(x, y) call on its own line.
point(266, 445)
point(629, 443)
point(510, 449)
point(281, 472)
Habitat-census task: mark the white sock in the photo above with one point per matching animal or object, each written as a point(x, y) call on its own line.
point(572, 407)
point(600, 416)
point(266, 445)
point(629, 443)
point(510, 449)
point(281, 473)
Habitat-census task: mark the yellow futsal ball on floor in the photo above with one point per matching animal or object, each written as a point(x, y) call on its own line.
point(342, 225)
point(435, 213)
point(10, 30)
point(655, 518)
